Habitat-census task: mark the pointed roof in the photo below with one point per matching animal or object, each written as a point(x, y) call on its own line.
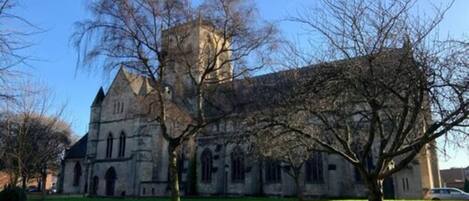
point(135, 81)
point(98, 99)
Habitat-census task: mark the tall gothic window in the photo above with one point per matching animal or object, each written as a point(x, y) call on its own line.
point(314, 169)
point(180, 165)
point(77, 174)
point(369, 162)
point(109, 146)
point(206, 160)
point(357, 176)
point(225, 66)
point(237, 165)
point(118, 107)
point(209, 62)
point(122, 145)
point(369, 166)
point(273, 172)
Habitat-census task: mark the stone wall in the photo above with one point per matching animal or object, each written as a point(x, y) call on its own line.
point(407, 182)
point(69, 172)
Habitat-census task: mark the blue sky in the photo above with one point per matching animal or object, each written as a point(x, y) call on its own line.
point(54, 59)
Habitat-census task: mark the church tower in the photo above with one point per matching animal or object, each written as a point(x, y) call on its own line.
point(194, 48)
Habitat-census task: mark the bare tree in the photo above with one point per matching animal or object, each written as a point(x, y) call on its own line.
point(155, 39)
point(391, 92)
point(273, 142)
point(286, 147)
point(13, 31)
point(32, 138)
point(53, 137)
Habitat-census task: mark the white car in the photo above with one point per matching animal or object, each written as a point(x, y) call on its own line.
point(446, 194)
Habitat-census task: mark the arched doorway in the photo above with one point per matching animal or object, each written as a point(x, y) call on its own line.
point(94, 185)
point(110, 181)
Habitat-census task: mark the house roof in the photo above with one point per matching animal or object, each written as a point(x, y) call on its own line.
point(452, 175)
point(77, 150)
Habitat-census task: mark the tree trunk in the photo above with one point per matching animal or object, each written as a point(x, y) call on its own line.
point(299, 190)
point(23, 182)
point(299, 187)
point(375, 188)
point(44, 182)
point(174, 177)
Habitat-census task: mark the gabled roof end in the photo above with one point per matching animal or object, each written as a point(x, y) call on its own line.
point(98, 98)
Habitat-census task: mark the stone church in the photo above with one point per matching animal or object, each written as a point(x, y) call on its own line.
point(123, 154)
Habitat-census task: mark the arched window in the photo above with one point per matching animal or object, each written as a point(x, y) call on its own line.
point(206, 160)
point(225, 66)
point(110, 181)
point(77, 174)
point(122, 145)
point(314, 168)
point(209, 60)
point(369, 166)
point(109, 146)
point(237, 165)
point(180, 165)
point(273, 172)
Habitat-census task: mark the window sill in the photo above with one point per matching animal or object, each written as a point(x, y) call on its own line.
point(272, 182)
point(315, 182)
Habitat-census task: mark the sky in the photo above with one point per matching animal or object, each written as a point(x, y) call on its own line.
point(53, 58)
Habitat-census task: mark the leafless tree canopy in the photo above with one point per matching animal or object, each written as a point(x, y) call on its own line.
point(32, 137)
point(386, 86)
point(13, 32)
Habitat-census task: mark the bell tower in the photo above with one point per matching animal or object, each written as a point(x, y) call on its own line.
point(195, 50)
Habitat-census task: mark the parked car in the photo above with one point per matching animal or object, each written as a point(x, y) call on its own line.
point(53, 190)
point(32, 189)
point(446, 194)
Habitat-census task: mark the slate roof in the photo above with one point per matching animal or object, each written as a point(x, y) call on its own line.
point(268, 90)
point(77, 150)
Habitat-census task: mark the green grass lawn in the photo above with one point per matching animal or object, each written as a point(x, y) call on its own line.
point(163, 199)
point(80, 198)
